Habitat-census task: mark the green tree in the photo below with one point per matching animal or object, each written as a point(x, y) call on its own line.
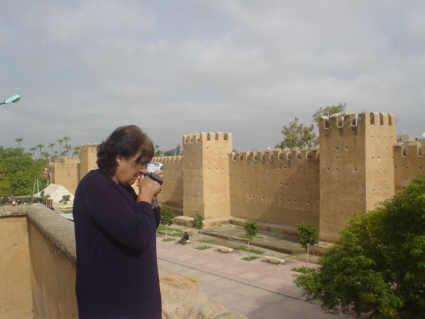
point(328, 111)
point(65, 199)
point(18, 171)
point(198, 222)
point(19, 141)
point(158, 152)
point(378, 267)
point(251, 230)
point(76, 151)
point(296, 134)
point(308, 236)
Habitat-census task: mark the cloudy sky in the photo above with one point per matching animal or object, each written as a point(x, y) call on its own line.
point(177, 67)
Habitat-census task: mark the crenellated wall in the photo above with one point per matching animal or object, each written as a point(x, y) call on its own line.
point(359, 167)
point(67, 171)
point(172, 190)
point(278, 187)
point(356, 167)
point(409, 162)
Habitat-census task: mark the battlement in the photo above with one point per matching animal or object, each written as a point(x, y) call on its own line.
point(204, 137)
point(168, 159)
point(67, 160)
point(276, 155)
point(411, 150)
point(89, 147)
point(351, 121)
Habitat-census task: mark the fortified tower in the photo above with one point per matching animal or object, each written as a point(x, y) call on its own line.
point(88, 158)
point(206, 175)
point(356, 167)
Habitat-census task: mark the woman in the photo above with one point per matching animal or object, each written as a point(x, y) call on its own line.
point(115, 232)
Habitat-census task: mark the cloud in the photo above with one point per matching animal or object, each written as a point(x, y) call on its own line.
point(239, 66)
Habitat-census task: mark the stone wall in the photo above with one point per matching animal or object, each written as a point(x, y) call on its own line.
point(38, 271)
point(409, 162)
point(358, 168)
point(278, 187)
point(66, 172)
point(172, 190)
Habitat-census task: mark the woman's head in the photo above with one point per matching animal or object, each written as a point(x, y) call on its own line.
point(124, 154)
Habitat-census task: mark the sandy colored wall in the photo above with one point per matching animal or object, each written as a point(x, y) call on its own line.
point(88, 158)
point(216, 175)
point(15, 282)
point(172, 190)
point(409, 163)
point(278, 187)
point(65, 171)
point(53, 279)
point(380, 139)
point(342, 172)
point(193, 187)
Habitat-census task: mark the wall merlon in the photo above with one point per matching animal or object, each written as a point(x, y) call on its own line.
point(218, 137)
point(193, 138)
point(412, 150)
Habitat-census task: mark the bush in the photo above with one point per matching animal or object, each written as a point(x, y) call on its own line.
point(378, 268)
point(308, 235)
point(198, 222)
point(167, 216)
point(65, 199)
point(251, 229)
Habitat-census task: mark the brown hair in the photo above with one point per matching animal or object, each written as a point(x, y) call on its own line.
point(125, 141)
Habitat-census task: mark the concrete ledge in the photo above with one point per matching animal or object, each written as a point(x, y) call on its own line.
point(58, 230)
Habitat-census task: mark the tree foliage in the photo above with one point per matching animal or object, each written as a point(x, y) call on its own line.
point(296, 134)
point(251, 229)
point(328, 111)
point(377, 269)
point(18, 171)
point(166, 216)
point(308, 235)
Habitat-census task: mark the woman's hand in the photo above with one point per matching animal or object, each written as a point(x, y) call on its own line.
point(148, 188)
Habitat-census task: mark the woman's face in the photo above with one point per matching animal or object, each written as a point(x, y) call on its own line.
point(128, 169)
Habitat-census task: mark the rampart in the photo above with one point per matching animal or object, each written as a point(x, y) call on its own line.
point(409, 161)
point(356, 167)
point(278, 187)
point(66, 170)
point(172, 191)
point(38, 271)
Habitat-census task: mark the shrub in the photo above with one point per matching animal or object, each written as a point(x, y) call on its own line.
point(251, 229)
point(308, 236)
point(167, 216)
point(378, 267)
point(198, 222)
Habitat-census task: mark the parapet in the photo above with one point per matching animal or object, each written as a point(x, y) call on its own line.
point(168, 159)
point(67, 160)
point(205, 137)
point(89, 147)
point(278, 155)
point(411, 150)
point(351, 121)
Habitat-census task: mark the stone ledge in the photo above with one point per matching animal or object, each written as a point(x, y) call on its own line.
point(57, 230)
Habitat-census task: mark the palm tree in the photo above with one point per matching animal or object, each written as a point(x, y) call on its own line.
point(76, 151)
point(60, 141)
point(19, 141)
point(40, 147)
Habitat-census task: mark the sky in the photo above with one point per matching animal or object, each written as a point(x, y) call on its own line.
point(246, 67)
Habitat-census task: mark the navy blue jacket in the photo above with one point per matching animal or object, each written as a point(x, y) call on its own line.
point(117, 271)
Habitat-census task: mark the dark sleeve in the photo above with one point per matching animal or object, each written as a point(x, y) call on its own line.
point(132, 225)
point(157, 213)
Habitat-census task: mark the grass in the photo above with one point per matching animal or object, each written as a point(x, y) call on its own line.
point(68, 210)
point(207, 241)
point(251, 250)
point(169, 239)
point(162, 229)
point(249, 258)
point(203, 247)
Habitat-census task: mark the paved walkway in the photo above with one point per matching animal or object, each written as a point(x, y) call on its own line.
point(255, 289)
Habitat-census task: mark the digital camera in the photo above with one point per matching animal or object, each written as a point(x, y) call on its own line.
point(153, 167)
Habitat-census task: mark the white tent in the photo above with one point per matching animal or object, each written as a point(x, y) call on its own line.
point(56, 192)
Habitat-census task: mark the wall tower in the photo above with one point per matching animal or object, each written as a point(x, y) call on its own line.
point(88, 158)
point(356, 167)
point(206, 175)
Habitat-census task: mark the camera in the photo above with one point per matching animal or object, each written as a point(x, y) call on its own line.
point(153, 167)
